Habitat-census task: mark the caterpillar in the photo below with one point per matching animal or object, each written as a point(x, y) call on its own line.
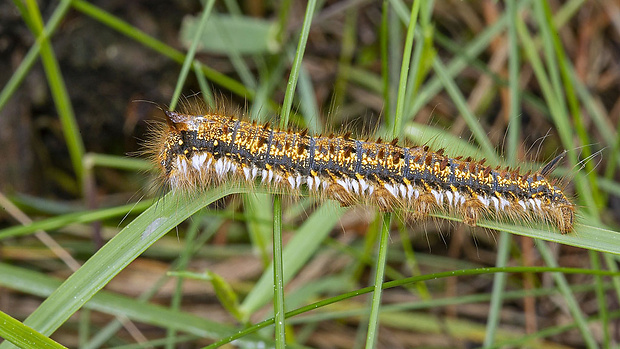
point(203, 150)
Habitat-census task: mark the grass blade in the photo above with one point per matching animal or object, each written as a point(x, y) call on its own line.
point(23, 336)
point(59, 92)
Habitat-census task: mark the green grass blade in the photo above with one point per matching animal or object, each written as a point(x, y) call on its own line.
point(278, 274)
point(575, 110)
point(59, 93)
point(610, 262)
point(207, 94)
point(525, 340)
point(308, 105)
point(385, 66)
point(499, 284)
point(299, 54)
point(562, 124)
point(437, 138)
point(258, 214)
point(473, 49)
point(600, 298)
point(373, 320)
point(404, 70)
point(514, 73)
point(113, 161)
point(233, 34)
point(22, 335)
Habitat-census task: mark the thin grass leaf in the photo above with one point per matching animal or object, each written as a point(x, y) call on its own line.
point(207, 94)
point(296, 67)
point(610, 262)
point(600, 298)
point(23, 336)
point(92, 160)
point(499, 284)
point(571, 100)
point(585, 236)
point(544, 333)
point(404, 70)
point(563, 125)
point(59, 93)
point(278, 274)
point(439, 139)
point(360, 309)
point(373, 319)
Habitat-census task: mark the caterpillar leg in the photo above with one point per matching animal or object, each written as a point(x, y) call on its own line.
point(384, 199)
point(341, 195)
point(565, 219)
point(426, 204)
point(471, 211)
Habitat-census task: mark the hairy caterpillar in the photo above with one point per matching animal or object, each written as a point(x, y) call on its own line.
point(201, 150)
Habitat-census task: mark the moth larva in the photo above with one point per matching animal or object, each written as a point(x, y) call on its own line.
point(201, 150)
